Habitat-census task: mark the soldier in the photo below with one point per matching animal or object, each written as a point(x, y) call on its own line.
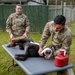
point(61, 38)
point(17, 23)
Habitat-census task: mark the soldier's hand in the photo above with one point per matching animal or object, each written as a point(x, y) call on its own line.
point(25, 35)
point(39, 52)
point(11, 36)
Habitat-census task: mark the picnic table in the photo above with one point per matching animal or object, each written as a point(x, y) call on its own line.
point(34, 65)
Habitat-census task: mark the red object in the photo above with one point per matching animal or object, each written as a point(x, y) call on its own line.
point(61, 59)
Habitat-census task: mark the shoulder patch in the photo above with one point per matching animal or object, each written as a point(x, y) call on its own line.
point(47, 25)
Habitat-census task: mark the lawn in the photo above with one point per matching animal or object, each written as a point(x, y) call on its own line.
point(5, 59)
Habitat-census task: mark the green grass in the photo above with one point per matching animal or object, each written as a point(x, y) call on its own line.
point(72, 27)
point(5, 59)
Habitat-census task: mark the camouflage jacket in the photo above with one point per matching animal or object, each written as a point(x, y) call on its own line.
point(61, 39)
point(17, 24)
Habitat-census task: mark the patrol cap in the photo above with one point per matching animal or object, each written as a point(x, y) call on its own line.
point(60, 19)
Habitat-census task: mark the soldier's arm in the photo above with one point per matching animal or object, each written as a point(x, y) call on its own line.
point(9, 24)
point(27, 23)
point(67, 43)
point(45, 35)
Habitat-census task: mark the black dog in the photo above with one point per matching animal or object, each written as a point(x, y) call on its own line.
point(31, 49)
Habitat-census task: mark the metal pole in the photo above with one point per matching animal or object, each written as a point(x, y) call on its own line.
point(47, 2)
point(71, 12)
point(62, 6)
point(64, 12)
point(55, 7)
point(20, 2)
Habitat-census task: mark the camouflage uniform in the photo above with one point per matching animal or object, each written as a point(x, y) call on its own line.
point(60, 39)
point(17, 24)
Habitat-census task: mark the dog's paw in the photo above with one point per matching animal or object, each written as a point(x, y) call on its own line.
point(11, 45)
point(20, 57)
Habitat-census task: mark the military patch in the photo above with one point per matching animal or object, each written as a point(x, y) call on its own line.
point(47, 25)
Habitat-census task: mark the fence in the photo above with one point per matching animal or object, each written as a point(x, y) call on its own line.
point(38, 15)
point(67, 10)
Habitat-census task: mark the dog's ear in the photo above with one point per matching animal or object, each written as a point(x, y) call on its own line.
point(31, 40)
